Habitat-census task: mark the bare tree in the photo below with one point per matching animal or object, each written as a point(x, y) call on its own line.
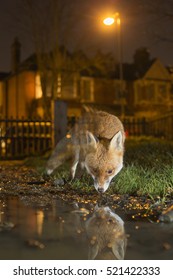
point(158, 16)
point(51, 25)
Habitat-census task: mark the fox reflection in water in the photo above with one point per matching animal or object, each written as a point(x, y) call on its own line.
point(106, 235)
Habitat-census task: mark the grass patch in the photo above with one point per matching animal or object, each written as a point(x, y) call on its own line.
point(142, 181)
point(148, 169)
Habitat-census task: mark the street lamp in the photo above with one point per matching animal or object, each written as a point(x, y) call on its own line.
point(109, 21)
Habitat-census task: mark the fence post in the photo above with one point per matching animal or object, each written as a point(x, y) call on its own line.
point(144, 126)
point(59, 120)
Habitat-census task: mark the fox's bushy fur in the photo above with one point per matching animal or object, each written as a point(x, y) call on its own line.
point(96, 142)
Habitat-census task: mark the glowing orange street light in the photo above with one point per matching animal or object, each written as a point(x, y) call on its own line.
point(109, 21)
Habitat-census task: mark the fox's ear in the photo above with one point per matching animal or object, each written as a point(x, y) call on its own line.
point(117, 141)
point(118, 249)
point(91, 140)
point(93, 251)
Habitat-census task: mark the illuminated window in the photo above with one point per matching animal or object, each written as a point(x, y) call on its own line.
point(38, 89)
point(1, 96)
point(59, 85)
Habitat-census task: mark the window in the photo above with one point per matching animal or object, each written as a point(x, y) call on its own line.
point(1, 97)
point(59, 87)
point(68, 85)
point(150, 92)
point(145, 93)
point(38, 89)
point(87, 89)
point(162, 93)
point(49, 81)
point(65, 85)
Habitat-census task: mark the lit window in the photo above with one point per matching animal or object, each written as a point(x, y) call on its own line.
point(59, 85)
point(38, 89)
point(1, 97)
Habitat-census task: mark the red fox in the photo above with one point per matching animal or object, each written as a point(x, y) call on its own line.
point(97, 143)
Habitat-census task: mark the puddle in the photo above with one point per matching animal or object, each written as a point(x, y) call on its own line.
point(66, 231)
point(51, 227)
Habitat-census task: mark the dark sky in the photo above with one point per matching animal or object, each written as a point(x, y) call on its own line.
point(138, 30)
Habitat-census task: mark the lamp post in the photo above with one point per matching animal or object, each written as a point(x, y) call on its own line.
point(109, 21)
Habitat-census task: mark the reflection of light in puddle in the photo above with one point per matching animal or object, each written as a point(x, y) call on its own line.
point(2, 205)
point(1, 215)
point(39, 219)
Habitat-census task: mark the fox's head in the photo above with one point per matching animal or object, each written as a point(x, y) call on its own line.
point(102, 161)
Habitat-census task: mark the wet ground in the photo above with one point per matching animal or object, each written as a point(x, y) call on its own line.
point(38, 220)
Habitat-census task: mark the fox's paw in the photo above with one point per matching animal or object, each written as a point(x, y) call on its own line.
point(49, 171)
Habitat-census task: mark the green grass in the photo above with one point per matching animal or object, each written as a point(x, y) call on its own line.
point(138, 180)
point(148, 169)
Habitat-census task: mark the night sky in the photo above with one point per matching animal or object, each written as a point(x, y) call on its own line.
point(138, 30)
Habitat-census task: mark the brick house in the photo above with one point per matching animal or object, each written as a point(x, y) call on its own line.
point(149, 93)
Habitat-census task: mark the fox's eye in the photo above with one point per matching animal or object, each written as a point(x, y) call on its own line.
point(109, 171)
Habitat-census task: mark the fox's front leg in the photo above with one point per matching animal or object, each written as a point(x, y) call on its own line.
point(75, 162)
point(73, 169)
point(61, 153)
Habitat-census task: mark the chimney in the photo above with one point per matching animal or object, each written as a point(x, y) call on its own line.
point(15, 55)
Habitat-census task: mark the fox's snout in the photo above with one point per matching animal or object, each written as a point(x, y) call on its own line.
point(101, 187)
point(101, 190)
point(101, 184)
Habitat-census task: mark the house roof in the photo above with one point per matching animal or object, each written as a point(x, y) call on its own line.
point(131, 71)
point(30, 63)
point(134, 72)
point(154, 69)
point(158, 71)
